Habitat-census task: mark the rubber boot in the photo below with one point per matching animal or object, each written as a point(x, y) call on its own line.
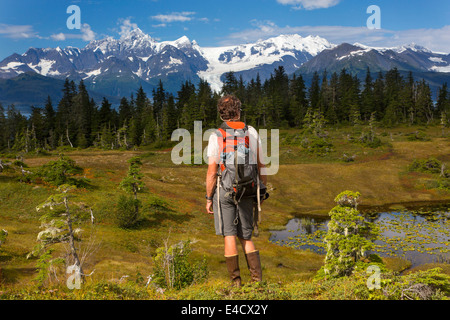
point(233, 269)
point(254, 265)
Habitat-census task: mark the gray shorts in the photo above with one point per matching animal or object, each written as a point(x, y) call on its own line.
point(236, 220)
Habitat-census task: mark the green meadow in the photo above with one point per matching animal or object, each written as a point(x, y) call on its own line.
point(119, 261)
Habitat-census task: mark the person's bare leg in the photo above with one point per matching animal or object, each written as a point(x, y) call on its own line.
point(230, 246)
point(247, 245)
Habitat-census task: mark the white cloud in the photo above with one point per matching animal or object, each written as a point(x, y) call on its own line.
point(174, 17)
point(310, 4)
point(17, 31)
point(126, 27)
point(161, 25)
point(185, 16)
point(433, 39)
point(58, 37)
point(86, 34)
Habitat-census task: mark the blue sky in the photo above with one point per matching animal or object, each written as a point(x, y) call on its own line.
point(42, 23)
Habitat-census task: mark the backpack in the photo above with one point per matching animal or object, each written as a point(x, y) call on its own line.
point(238, 166)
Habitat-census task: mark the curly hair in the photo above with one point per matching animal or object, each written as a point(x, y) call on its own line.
point(229, 107)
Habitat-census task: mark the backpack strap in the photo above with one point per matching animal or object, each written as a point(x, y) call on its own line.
point(221, 142)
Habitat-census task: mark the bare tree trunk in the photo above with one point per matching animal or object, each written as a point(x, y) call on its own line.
point(119, 143)
point(443, 167)
point(67, 136)
point(125, 138)
point(26, 142)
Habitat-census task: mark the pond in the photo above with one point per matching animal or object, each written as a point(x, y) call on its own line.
point(417, 235)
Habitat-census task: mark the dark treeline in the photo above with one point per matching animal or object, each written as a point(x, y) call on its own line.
point(278, 102)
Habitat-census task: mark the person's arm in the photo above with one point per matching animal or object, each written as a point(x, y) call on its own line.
point(211, 182)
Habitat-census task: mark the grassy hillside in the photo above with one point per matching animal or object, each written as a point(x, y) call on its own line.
point(173, 210)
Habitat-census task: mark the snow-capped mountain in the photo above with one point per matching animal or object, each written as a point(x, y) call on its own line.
point(262, 57)
point(113, 66)
point(117, 67)
point(138, 58)
point(358, 57)
point(433, 67)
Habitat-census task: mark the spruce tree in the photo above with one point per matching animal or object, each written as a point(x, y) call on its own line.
point(379, 96)
point(230, 84)
point(50, 123)
point(367, 97)
point(299, 102)
point(151, 131)
point(38, 127)
point(314, 91)
point(16, 125)
point(424, 103)
point(125, 111)
point(406, 97)
point(65, 122)
point(2, 128)
point(325, 95)
point(137, 122)
point(207, 103)
point(443, 101)
point(393, 86)
point(83, 112)
point(133, 183)
point(169, 118)
point(332, 112)
point(105, 114)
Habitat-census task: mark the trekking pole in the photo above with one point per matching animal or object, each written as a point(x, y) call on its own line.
point(219, 213)
point(258, 193)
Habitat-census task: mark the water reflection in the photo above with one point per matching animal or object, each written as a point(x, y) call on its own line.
point(419, 236)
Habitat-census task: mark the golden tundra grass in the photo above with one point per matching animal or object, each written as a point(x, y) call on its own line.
point(304, 184)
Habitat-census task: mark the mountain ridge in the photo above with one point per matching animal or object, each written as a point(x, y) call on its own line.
point(143, 57)
point(434, 67)
point(117, 67)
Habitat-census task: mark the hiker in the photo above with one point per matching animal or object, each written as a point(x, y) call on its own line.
point(234, 185)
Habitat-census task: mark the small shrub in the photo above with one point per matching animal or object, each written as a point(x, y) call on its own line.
point(348, 239)
point(347, 158)
point(431, 284)
point(158, 205)
point(47, 268)
point(418, 136)
point(174, 268)
point(62, 171)
point(368, 139)
point(291, 139)
point(440, 183)
point(3, 236)
point(317, 145)
point(126, 215)
point(430, 165)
